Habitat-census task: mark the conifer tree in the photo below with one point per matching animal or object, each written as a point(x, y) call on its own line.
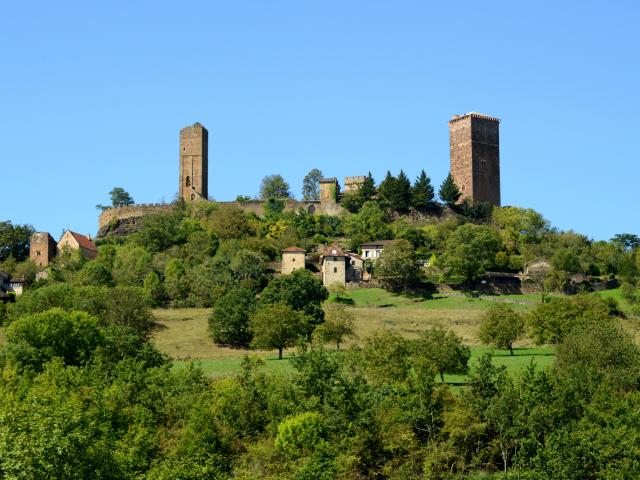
point(449, 192)
point(387, 189)
point(402, 196)
point(368, 188)
point(422, 192)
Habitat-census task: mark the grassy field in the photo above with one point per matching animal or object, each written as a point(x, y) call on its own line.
point(542, 357)
point(182, 334)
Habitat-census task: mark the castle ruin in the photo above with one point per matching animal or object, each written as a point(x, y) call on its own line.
point(474, 157)
point(474, 143)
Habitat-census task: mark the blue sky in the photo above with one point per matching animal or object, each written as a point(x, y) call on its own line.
point(93, 94)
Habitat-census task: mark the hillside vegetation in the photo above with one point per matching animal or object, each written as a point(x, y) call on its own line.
point(159, 358)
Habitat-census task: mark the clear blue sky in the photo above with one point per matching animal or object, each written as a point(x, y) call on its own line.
point(93, 94)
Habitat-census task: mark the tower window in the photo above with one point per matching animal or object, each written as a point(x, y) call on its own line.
point(483, 162)
point(188, 181)
point(335, 269)
point(462, 188)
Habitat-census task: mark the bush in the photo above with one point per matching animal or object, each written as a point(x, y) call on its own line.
point(299, 434)
point(35, 339)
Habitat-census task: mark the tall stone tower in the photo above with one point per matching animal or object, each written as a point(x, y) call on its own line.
point(194, 163)
point(474, 143)
point(42, 248)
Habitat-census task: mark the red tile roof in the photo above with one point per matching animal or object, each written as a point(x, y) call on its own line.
point(293, 249)
point(83, 241)
point(334, 251)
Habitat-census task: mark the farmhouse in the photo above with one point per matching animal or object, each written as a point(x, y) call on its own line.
point(373, 250)
point(340, 267)
point(76, 241)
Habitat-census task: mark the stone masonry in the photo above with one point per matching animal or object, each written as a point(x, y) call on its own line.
point(42, 248)
point(474, 143)
point(194, 163)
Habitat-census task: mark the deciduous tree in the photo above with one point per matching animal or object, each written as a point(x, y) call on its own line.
point(277, 326)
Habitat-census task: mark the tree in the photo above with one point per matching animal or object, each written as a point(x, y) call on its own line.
point(120, 197)
point(274, 187)
point(367, 189)
point(311, 185)
point(131, 265)
point(402, 196)
point(396, 268)
point(153, 288)
point(444, 350)
point(552, 321)
point(449, 192)
point(300, 434)
point(470, 250)
point(628, 241)
point(277, 326)
point(387, 190)
point(422, 192)
point(370, 223)
point(301, 290)
point(521, 226)
point(501, 326)
point(32, 340)
point(338, 324)
point(175, 280)
point(229, 320)
point(94, 273)
point(14, 241)
point(229, 221)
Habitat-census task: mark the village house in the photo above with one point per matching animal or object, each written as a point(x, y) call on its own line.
point(340, 267)
point(293, 258)
point(373, 250)
point(76, 241)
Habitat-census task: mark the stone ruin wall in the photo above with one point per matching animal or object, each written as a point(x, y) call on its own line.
point(132, 213)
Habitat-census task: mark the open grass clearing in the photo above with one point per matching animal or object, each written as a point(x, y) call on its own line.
point(542, 357)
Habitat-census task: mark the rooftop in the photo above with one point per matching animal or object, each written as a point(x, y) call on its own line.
point(294, 250)
point(84, 241)
point(455, 118)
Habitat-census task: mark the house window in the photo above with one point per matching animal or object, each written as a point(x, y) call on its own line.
point(38, 253)
point(353, 262)
point(462, 188)
point(335, 259)
point(335, 269)
point(366, 254)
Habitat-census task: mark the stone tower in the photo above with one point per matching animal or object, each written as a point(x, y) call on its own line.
point(474, 143)
point(42, 248)
point(194, 163)
point(329, 190)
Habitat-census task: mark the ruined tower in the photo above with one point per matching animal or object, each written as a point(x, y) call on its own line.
point(194, 163)
point(42, 248)
point(474, 143)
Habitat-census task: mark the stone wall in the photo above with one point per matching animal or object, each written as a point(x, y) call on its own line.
point(109, 218)
point(125, 220)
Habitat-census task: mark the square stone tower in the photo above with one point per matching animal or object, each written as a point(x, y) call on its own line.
point(194, 163)
point(42, 248)
point(474, 143)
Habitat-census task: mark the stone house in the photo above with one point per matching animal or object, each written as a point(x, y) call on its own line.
point(537, 268)
point(373, 250)
point(76, 241)
point(293, 258)
point(339, 266)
